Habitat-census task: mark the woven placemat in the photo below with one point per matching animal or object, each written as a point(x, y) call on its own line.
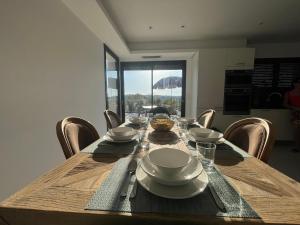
point(225, 149)
point(107, 198)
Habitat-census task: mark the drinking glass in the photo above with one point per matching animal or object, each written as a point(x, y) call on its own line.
point(150, 115)
point(183, 125)
point(145, 145)
point(206, 154)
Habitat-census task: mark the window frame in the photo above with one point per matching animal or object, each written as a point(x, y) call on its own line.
point(107, 50)
point(151, 65)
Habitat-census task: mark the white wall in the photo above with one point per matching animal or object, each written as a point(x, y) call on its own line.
point(188, 91)
point(276, 50)
point(211, 79)
point(194, 86)
point(51, 66)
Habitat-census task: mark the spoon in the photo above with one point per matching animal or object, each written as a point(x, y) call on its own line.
point(130, 171)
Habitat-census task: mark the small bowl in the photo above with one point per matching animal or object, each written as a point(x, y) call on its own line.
point(122, 138)
point(191, 120)
point(200, 132)
point(122, 131)
point(161, 116)
point(164, 124)
point(169, 161)
point(137, 120)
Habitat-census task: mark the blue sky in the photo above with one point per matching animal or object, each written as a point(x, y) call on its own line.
point(139, 82)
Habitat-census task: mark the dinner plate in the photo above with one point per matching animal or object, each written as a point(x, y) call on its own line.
point(213, 137)
point(108, 138)
point(188, 190)
point(122, 137)
point(190, 172)
point(137, 120)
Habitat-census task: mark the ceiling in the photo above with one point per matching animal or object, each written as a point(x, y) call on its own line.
point(255, 20)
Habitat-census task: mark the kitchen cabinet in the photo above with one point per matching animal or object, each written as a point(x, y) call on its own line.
point(280, 119)
point(240, 58)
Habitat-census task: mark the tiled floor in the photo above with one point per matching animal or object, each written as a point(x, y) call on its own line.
point(285, 160)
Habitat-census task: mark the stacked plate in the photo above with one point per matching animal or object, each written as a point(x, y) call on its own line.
point(171, 173)
point(137, 120)
point(121, 134)
point(204, 135)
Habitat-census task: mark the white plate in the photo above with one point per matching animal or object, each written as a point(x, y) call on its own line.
point(190, 172)
point(108, 138)
point(213, 137)
point(188, 190)
point(137, 120)
point(121, 138)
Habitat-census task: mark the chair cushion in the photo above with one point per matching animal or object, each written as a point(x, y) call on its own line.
point(79, 136)
point(249, 137)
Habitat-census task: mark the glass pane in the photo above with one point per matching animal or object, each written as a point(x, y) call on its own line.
point(112, 83)
point(167, 90)
point(137, 91)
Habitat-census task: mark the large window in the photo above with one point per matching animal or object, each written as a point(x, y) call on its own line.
point(272, 77)
point(112, 89)
point(147, 85)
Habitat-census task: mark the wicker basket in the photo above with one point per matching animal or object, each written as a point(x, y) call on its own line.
point(162, 124)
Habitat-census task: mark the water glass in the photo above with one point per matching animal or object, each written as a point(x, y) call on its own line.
point(183, 125)
point(206, 154)
point(150, 115)
point(182, 133)
point(145, 145)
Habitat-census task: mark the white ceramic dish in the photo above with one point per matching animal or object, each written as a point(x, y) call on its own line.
point(191, 120)
point(137, 120)
point(122, 131)
point(213, 137)
point(108, 138)
point(161, 116)
point(121, 138)
point(169, 160)
point(188, 190)
point(199, 132)
point(190, 172)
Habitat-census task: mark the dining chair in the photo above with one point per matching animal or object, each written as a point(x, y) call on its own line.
point(159, 109)
point(206, 118)
point(74, 134)
point(253, 135)
point(112, 119)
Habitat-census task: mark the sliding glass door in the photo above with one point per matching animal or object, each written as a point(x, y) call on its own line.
point(147, 85)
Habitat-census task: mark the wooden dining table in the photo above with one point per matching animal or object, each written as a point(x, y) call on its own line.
point(60, 196)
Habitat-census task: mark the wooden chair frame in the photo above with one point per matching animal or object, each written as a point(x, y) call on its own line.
point(108, 120)
point(62, 137)
point(211, 119)
point(266, 148)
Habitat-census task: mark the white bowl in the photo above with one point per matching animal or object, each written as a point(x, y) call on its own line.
point(121, 138)
point(198, 132)
point(186, 175)
point(161, 116)
point(169, 161)
point(137, 120)
point(191, 120)
point(121, 131)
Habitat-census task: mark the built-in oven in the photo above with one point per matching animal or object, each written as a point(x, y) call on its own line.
point(237, 92)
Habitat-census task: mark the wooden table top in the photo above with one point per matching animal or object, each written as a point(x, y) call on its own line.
point(59, 196)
